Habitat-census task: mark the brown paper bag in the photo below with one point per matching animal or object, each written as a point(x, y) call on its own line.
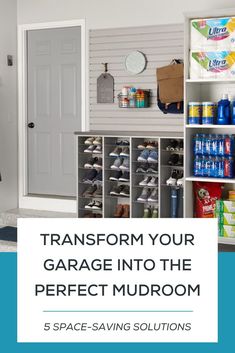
point(170, 80)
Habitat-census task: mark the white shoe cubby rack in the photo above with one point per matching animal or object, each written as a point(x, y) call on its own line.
point(203, 90)
point(109, 201)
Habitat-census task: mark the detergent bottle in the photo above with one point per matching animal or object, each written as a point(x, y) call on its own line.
point(223, 114)
point(233, 112)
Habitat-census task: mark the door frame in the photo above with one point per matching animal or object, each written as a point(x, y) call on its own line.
point(44, 202)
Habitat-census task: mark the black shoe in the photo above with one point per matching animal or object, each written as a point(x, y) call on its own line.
point(115, 175)
point(125, 176)
point(142, 168)
point(180, 161)
point(153, 168)
point(98, 163)
point(90, 191)
point(90, 176)
point(90, 162)
point(173, 145)
point(181, 145)
point(125, 191)
point(99, 177)
point(174, 159)
point(116, 189)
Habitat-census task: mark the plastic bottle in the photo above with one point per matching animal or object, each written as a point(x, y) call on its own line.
point(233, 112)
point(197, 168)
point(174, 203)
point(223, 113)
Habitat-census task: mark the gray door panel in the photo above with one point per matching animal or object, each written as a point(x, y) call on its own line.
point(54, 106)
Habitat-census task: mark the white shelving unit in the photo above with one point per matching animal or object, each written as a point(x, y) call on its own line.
point(109, 140)
point(203, 90)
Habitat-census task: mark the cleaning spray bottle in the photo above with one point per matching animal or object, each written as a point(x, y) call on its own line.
point(223, 114)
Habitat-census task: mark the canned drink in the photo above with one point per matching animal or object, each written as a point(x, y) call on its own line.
point(194, 113)
point(208, 113)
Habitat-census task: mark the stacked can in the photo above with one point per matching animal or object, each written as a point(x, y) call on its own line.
point(201, 113)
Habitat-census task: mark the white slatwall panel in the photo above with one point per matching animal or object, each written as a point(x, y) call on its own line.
point(160, 44)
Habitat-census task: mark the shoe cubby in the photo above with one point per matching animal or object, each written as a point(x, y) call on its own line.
point(145, 185)
point(90, 177)
point(117, 154)
point(134, 173)
point(172, 177)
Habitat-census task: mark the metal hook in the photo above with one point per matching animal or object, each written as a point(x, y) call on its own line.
point(105, 67)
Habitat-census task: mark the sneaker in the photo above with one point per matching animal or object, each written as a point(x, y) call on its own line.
point(173, 178)
point(143, 157)
point(173, 145)
point(97, 141)
point(145, 181)
point(154, 196)
point(151, 145)
point(153, 168)
point(181, 145)
point(98, 163)
point(116, 189)
point(97, 205)
point(90, 191)
point(153, 156)
point(144, 195)
point(90, 176)
point(180, 180)
point(125, 152)
point(98, 192)
point(115, 175)
point(147, 212)
point(125, 165)
point(98, 149)
point(174, 159)
point(90, 149)
point(99, 177)
point(89, 205)
point(125, 176)
point(142, 168)
point(117, 163)
point(153, 181)
point(90, 162)
point(89, 141)
point(121, 142)
point(142, 146)
point(180, 161)
point(155, 212)
point(125, 191)
point(116, 152)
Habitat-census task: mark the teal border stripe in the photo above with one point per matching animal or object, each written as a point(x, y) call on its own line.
point(8, 320)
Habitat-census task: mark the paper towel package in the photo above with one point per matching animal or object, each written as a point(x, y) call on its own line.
point(212, 64)
point(213, 34)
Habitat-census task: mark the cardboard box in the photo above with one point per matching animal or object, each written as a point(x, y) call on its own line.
point(225, 206)
point(227, 231)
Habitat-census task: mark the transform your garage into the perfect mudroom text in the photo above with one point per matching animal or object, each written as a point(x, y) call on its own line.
point(82, 264)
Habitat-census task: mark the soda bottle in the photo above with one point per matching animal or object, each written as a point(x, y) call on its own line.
point(214, 143)
point(221, 167)
point(221, 145)
point(197, 166)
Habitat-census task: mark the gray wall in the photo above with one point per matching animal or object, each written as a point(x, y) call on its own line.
point(8, 106)
point(113, 13)
point(160, 44)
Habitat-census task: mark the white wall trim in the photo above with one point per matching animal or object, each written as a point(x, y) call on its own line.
point(25, 200)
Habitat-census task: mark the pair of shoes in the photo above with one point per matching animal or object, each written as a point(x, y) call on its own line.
point(148, 156)
point(147, 168)
point(175, 159)
point(94, 205)
point(97, 149)
point(122, 211)
point(148, 195)
point(175, 145)
point(149, 181)
point(93, 162)
point(92, 176)
point(121, 142)
point(93, 191)
point(93, 141)
point(92, 215)
point(150, 212)
point(150, 145)
point(120, 190)
point(121, 164)
point(120, 151)
point(176, 178)
point(119, 175)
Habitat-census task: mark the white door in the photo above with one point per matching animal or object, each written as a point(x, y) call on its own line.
point(54, 109)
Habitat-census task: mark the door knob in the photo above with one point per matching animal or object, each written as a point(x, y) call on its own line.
point(31, 125)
